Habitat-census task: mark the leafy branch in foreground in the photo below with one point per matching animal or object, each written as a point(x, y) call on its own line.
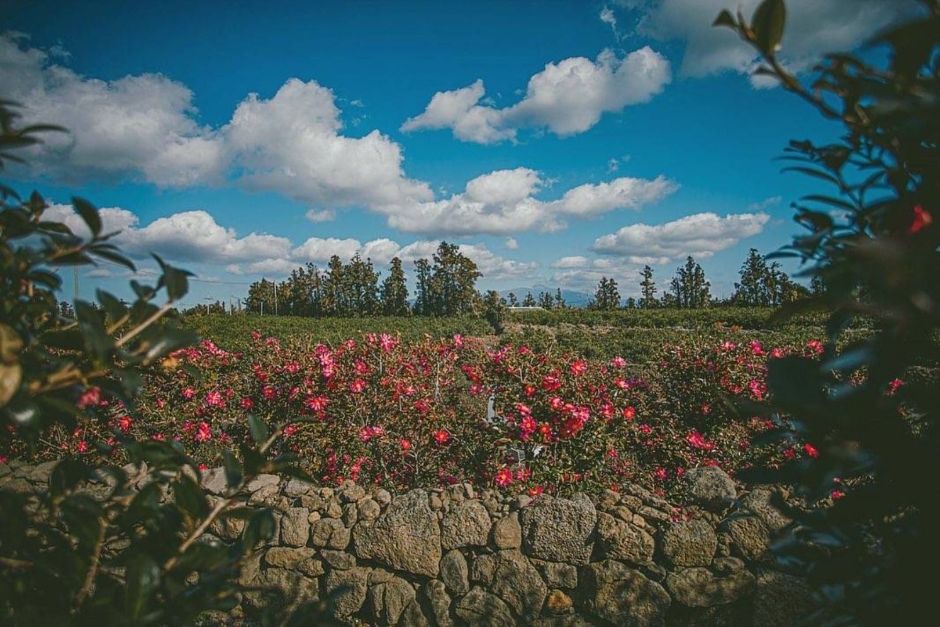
point(873, 244)
point(104, 544)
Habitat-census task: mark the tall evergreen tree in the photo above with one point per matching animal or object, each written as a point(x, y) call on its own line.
point(647, 288)
point(529, 300)
point(422, 305)
point(453, 281)
point(607, 295)
point(395, 291)
point(690, 288)
point(559, 300)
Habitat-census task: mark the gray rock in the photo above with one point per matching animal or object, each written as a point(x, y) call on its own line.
point(759, 502)
point(690, 543)
point(297, 487)
point(349, 492)
point(749, 535)
point(338, 559)
point(388, 600)
point(699, 587)
point(406, 537)
point(558, 529)
point(262, 481)
point(454, 572)
point(438, 601)
point(466, 524)
point(293, 584)
point(622, 541)
point(347, 589)
point(213, 481)
point(558, 575)
point(781, 600)
point(623, 596)
point(413, 616)
point(301, 559)
point(711, 487)
point(482, 609)
point(295, 529)
point(329, 533)
point(507, 533)
point(368, 509)
point(512, 577)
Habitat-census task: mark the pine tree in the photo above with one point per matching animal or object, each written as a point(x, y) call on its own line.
point(647, 288)
point(559, 300)
point(334, 303)
point(689, 287)
point(395, 291)
point(607, 295)
point(529, 300)
point(422, 305)
point(453, 281)
point(546, 301)
point(754, 288)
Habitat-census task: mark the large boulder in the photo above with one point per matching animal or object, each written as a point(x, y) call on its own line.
point(624, 542)
point(690, 543)
point(389, 599)
point(781, 599)
point(560, 530)
point(466, 524)
point(346, 590)
point(516, 581)
point(700, 587)
point(295, 529)
point(438, 601)
point(454, 572)
point(750, 537)
point(406, 537)
point(482, 609)
point(329, 533)
point(760, 502)
point(624, 596)
point(711, 487)
point(507, 533)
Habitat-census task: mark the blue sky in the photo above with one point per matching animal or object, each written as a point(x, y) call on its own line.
point(555, 141)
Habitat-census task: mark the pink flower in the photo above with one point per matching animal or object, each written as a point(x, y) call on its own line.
point(922, 219)
point(356, 386)
point(387, 342)
point(894, 385)
point(578, 367)
point(811, 450)
point(442, 437)
point(550, 383)
point(125, 423)
point(618, 362)
point(815, 346)
point(535, 491)
point(317, 404)
point(90, 398)
point(215, 399)
point(269, 392)
point(629, 412)
point(697, 440)
point(458, 341)
point(203, 432)
point(405, 445)
point(503, 477)
point(246, 403)
point(188, 393)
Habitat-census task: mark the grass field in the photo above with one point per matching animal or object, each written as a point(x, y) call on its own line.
point(634, 334)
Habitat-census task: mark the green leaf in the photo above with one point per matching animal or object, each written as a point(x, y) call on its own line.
point(233, 470)
point(174, 279)
point(89, 215)
point(259, 527)
point(767, 23)
point(142, 579)
point(259, 430)
point(725, 19)
point(190, 497)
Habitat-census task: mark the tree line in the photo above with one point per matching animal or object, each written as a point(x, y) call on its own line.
point(761, 284)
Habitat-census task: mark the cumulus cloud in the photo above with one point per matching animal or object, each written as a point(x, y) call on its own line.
point(567, 97)
point(504, 202)
point(511, 243)
point(583, 273)
point(699, 235)
point(186, 236)
point(813, 29)
point(143, 125)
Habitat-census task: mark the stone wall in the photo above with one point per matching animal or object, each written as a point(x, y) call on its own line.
point(459, 556)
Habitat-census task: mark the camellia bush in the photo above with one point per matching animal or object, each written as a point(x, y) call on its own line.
point(118, 538)
point(871, 241)
point(377, 410)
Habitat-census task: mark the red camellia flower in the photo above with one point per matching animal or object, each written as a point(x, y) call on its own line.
point(442, 437)
point(268, 392)
point(578, 367)
point(188, 393)
point(894, 385)
point(89, 398)
point(124, 423)
point(503, 477)
point(203, 432)
point(697, 440)
point(535, 491)
point(356, 386)
point(550, 383)
point(629, 412)
point(405, 445)
point(811, 450)
point(618, 362)
point(246, 403)
point(922, 219)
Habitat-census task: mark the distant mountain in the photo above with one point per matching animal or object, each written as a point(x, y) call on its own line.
point(572, 297)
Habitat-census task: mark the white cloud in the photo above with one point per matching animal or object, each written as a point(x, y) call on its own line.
point(503, 202)
point(567, 97)
point(142, 125)
point(291, 143)
point(326, 215)
point(511, 243)
point(187, 236)
point(699, 235)
point(766, 203)
point(813, 28)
